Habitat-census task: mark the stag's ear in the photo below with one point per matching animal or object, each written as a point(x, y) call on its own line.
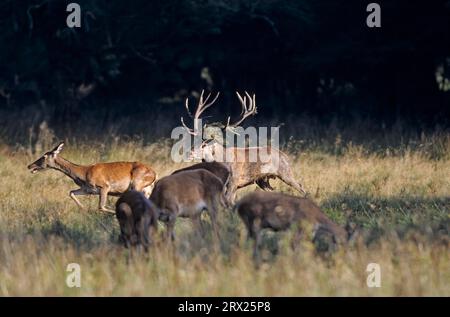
point(58, 149)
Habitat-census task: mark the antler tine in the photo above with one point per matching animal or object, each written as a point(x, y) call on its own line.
point(187, 107)
point(246, 111)
point(214, 100)
point(242, 101)
point(206, 99)
point(203, 105)
point(189, 130)
point(200, 100)
point(252, 105)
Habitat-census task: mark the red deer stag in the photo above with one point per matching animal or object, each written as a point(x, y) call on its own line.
point(244, 171)
point(101, 179)
point(138, 219)
point(187, 194)
point(277, 211)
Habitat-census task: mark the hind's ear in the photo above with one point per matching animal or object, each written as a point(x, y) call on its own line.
point(58, 148)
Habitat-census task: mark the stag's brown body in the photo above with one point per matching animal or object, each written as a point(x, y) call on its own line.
point(101, 179)
point(138, 219)
point(267, 163)
point(278, 211)
point(187, 194)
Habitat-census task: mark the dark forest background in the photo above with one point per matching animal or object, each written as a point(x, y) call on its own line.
point(134, 62)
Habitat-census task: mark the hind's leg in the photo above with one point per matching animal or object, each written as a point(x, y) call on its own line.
point(102, 202)
point(170, 231)
point(298, 235)
point(143, 182)
point(213, 215)
point(142, 233)
point(75, 193)
point(255, 233)
point(199, 225)
point(147, 191)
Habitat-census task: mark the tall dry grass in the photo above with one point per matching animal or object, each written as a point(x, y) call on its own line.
point(397, 193)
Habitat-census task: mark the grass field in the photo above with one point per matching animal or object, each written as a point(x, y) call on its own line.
point(398, 193)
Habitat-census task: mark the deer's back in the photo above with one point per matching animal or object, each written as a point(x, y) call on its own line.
point(278, 211)
point(136, 202)
point(117, 171)
point(186, 187)
point(273, 211)
point(217, 168)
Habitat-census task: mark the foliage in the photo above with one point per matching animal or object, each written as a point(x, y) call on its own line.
point(315, 56)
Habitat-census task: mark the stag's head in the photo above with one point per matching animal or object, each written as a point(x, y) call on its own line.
point(212, 135)
point(47, 160)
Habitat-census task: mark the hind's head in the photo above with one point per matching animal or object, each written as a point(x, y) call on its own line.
point(47, 160)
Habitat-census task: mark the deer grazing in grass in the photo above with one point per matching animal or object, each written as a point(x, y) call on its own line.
point(244, 170)
point(188, 194)
point(277, 211)
point(101, 179)
point(138, 219)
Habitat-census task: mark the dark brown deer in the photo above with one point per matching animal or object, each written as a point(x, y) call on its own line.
point(101, 179)
point(138, 219)
point(188, 194)
point(222, 171)
point(244, 171)
point(277, 211)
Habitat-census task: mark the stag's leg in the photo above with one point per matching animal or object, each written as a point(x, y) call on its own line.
point(103, 198)
point(75, 193)
point(264, 184)
point(288, 179)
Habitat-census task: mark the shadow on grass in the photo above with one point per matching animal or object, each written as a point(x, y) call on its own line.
point(377, 216)
point(86, 233)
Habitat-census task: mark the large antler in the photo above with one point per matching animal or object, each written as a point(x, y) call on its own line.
point(201, 107)
point(248, 109)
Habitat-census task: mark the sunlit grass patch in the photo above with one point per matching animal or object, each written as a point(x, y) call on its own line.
point(399, 199)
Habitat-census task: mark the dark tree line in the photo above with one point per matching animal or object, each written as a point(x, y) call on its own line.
point(299, 56)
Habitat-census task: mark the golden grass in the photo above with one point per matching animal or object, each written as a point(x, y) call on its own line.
point(401, 200)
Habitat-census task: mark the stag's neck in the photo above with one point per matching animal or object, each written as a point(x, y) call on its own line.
point(217, 153)
point(76, 172)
